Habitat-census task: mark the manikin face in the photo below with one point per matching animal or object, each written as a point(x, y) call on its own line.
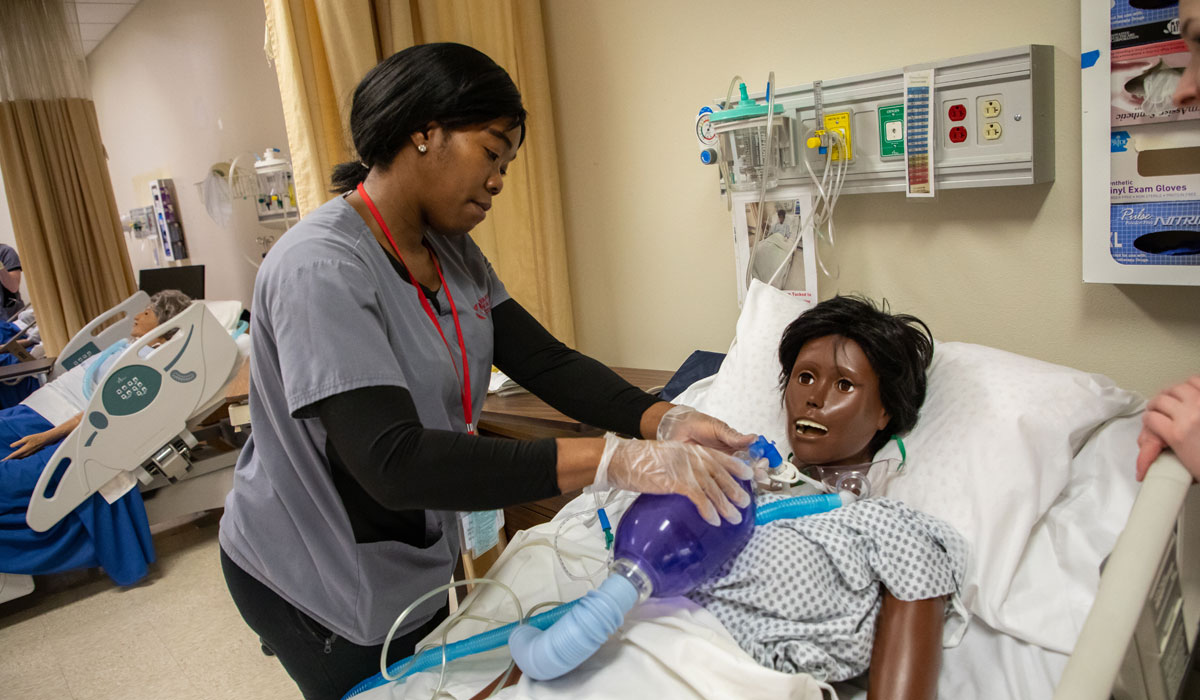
point(1188, 92)
point(144, 322)
point(833, 404)
point(462, 171)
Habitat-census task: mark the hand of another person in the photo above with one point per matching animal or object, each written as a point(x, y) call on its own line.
point(29, 444)
point(1172, 419)
point(705, 476)
point(686, 424)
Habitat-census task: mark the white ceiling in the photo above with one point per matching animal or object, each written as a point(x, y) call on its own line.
point(98, 17)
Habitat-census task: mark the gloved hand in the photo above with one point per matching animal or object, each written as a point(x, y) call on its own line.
point(686, 424)
point(762, 479)
point(706, 477)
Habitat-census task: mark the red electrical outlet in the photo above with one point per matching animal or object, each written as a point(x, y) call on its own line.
point(957, 113)
point(958, 134)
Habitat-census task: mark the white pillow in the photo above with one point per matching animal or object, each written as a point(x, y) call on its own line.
point(745, 391)
point(990, 454)
point(992, 451)
point(227, 313)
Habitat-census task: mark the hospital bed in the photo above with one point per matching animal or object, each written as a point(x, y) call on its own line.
point(1032, 462)
point(140, 428)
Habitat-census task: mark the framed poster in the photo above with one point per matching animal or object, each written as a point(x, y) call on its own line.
point(786, 255)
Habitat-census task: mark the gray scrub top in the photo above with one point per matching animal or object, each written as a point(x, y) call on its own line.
point(330, 314)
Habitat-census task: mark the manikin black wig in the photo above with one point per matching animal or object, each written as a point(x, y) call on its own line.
point(898, 346)
point(452, 85)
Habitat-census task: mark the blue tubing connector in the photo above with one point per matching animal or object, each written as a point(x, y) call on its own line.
point(800, 506)
point(477, 644)
point(544, 655)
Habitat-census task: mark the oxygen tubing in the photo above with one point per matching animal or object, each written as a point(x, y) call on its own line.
point(479, 643)
point(801, 506)
point(547, 654)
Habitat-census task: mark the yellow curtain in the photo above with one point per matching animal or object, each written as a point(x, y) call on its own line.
point(68, 231)
point(322, 48)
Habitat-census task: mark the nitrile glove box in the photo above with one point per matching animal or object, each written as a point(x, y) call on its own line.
point(1143, 170)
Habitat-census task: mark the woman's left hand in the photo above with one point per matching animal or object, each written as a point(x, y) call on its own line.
point(29, 444)
point(686, 424)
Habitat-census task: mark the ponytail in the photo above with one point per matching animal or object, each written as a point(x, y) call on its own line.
point(347, 176)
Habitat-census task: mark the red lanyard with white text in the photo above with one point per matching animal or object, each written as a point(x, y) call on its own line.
point(465, 384)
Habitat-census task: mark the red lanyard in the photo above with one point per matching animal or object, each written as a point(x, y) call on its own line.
point(465, 384)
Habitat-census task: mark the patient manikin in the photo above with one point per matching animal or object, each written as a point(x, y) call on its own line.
point(864, 584)
point(852, 377)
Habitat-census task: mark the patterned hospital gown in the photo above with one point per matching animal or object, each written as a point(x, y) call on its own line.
point(804, 594)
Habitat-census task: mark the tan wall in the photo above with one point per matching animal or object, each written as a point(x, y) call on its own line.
point(650, 248)
point(180, 85)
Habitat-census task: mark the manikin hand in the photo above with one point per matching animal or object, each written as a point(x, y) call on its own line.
point(686, 424)
point(30, 444)
point(1172, 419)
point(705, 476)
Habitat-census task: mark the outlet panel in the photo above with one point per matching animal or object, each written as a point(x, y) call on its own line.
point(840, 123)
point(1020, 80)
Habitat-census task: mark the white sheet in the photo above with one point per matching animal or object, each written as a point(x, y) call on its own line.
point(670, 648)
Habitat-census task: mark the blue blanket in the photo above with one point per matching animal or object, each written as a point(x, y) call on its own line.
point(115, 537)
point(13, 394)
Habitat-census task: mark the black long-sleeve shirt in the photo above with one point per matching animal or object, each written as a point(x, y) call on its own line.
point(388, 468)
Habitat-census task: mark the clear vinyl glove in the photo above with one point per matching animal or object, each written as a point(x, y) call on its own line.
point(686, 424)
point(763, 483)
point(705, 476)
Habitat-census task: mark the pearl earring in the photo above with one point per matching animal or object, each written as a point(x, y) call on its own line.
point(422, 148)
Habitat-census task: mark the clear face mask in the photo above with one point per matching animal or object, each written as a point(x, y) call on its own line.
point(863, 480)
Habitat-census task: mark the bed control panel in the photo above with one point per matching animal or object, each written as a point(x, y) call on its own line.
point(1156, 663)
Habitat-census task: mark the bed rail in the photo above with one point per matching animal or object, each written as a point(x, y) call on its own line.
point(89, 341)
point(141, 405)
point(1125, 583)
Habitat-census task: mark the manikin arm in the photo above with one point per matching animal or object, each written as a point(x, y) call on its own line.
point(907, 655)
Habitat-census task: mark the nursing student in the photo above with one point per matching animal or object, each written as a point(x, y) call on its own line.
point(376, 322)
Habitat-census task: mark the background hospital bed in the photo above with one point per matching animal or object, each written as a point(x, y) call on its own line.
point(150, 439)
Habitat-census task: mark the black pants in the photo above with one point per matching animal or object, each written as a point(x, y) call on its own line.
point(323, 665)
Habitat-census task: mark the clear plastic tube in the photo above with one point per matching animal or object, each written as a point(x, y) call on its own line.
point(443, 654)
point(764, 178)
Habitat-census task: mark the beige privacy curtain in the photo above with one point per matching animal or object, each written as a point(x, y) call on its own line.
point(322, 48)
point(64, 215)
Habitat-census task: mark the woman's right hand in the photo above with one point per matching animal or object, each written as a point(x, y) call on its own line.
point(705, 476)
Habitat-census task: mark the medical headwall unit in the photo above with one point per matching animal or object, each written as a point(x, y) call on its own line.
point(990, 118)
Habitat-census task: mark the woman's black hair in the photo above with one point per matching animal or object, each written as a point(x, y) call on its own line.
point(451, 84)
point(898, 346)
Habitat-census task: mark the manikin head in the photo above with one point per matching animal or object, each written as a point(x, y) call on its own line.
point(852, 375)
point(164, 306)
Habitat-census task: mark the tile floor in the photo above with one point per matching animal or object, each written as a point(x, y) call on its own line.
point(175, 636)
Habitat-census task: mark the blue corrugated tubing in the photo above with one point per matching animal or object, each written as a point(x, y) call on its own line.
point(797, 507)
point(545, 655)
